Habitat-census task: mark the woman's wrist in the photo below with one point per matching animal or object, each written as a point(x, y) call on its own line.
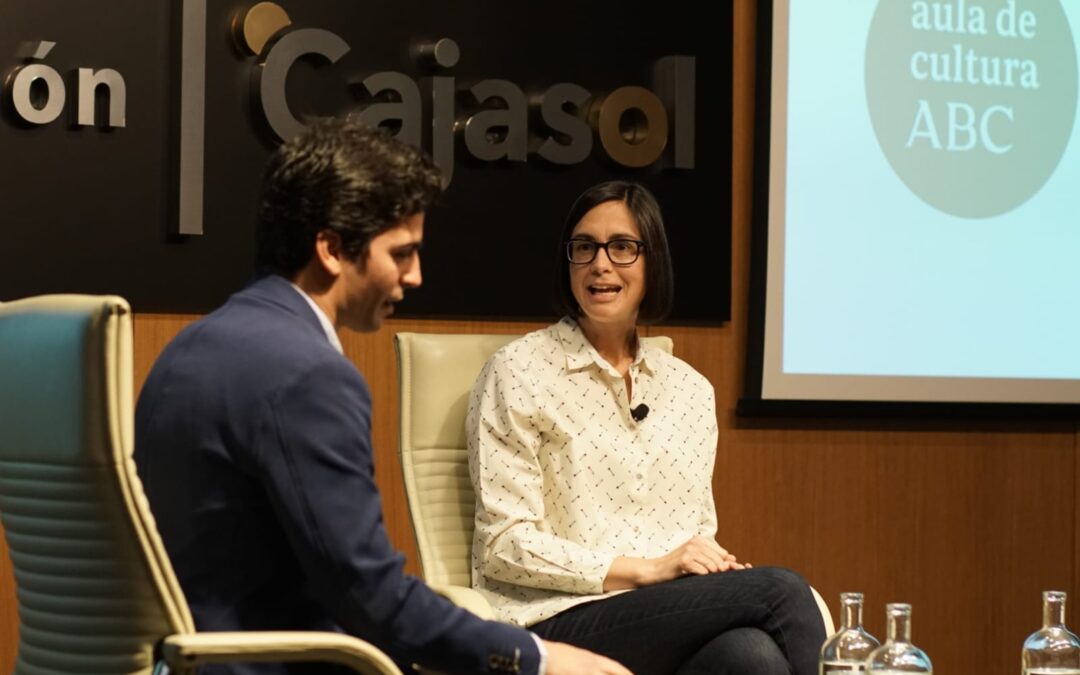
point(626, 573)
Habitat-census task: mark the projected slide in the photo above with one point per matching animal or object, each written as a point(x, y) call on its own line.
point(924, 202)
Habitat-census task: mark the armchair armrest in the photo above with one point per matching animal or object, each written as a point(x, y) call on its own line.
point(184, 653)
point(466, 598)
point(826, 614)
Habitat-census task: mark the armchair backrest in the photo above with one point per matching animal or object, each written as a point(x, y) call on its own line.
point(436, 373)
point(96, 591)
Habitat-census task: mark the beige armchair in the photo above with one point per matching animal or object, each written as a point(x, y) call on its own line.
point(96, 591)
point(435, 375)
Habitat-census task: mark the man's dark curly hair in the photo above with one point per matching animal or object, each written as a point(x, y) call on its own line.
point(343, 176)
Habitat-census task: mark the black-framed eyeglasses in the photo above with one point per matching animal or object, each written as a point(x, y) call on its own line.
point(619, 251)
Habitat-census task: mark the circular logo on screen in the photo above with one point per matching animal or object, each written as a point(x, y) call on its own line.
point(972, 101)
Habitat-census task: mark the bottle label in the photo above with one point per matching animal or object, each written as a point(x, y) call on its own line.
point(842, 667)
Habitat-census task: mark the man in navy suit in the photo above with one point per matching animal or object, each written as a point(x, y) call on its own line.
point(253, 430)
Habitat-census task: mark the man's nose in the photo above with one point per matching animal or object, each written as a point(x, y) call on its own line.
point(412, 277)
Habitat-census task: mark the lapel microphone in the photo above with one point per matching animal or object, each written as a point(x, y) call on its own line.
point(639, 413)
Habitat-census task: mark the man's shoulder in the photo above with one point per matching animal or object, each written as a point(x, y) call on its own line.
point(261, 333)
point(268, 314)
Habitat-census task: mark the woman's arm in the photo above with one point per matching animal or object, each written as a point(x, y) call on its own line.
point(512, 542)
point(699, 555)
point(708, 523)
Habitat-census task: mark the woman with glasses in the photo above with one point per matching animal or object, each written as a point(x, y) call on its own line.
point(592, 459)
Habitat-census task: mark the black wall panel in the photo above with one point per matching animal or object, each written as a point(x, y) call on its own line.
point(93, 209)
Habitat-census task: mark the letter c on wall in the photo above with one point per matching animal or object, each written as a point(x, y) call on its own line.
point(275, 70)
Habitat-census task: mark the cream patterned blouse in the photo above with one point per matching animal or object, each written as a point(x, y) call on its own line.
point(566, 480)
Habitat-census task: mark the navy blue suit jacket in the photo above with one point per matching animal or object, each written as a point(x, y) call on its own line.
point(253, 442)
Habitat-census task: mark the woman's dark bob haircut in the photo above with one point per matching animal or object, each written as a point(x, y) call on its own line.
point(659, 279)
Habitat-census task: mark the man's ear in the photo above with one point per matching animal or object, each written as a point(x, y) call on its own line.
point(329, 253)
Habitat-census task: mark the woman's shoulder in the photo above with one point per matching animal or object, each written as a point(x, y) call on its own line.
point(538, 344)
point(527, 355)
point(666, 364)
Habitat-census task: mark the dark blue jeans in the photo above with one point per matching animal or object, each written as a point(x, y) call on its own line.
point(758, 621)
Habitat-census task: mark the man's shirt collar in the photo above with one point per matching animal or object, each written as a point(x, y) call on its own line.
point(324, 320)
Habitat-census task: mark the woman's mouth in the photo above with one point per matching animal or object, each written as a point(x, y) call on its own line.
point(604, 290)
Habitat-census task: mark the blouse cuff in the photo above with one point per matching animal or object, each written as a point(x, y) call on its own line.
point(595, 576)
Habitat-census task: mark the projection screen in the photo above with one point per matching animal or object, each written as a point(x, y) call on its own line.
point(917, 203)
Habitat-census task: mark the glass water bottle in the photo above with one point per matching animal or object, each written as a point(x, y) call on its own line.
point(1053, 650)
point(847, 649)
point(898, 655)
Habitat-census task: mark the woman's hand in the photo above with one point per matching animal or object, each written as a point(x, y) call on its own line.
point(699, 555)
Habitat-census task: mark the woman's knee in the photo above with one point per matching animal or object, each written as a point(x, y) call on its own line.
point(787, 585)
point(739, 651)
point(785, 578)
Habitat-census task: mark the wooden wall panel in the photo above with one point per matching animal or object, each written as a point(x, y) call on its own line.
point(968, 523)
point(9, 618)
